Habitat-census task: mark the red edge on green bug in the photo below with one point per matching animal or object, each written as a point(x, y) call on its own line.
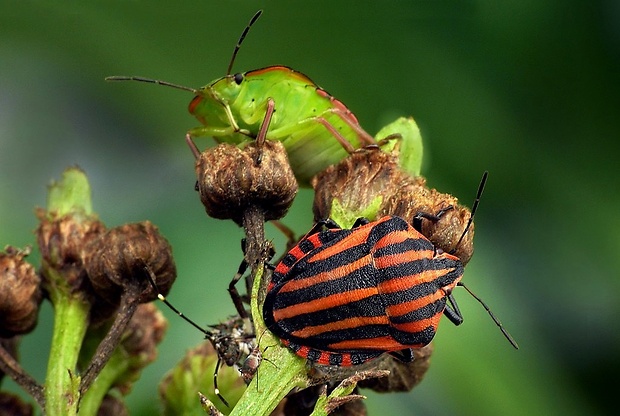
point(316, 129)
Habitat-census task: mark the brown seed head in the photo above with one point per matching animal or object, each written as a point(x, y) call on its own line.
point(369, 183)
point(20, 293)
point(61, 240)
point(112, 406)
point(361, 181)
point(122, 257)
point(403, 376)
point(230, 180)
point(414, 197)
point(13, 405)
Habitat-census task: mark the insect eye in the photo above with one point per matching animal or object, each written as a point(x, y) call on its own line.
point(238, 78)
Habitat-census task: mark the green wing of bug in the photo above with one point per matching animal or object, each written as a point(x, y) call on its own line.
point(307, 120)
point(408, 148)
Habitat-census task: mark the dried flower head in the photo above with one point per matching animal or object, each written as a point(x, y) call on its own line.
point(445, 232)
point(124, 256)
point(61, 240)
point(369, 183)
point(230, 180)
point(20, 293)
point(13, 405)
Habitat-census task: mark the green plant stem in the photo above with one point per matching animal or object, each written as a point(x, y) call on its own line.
point(70, 323)
point(280, 372)
point(275, 384)
point(91, 400)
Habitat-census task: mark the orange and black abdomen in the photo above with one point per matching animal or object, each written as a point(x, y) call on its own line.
point(342, 297)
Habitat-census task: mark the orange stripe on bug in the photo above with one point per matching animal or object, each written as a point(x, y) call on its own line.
point(323, 303)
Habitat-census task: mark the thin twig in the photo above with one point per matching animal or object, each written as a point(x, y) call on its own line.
point(129, 303)
point(255, 246)
point(10, 366)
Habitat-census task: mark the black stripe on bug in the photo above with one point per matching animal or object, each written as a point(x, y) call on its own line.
point(342, 296)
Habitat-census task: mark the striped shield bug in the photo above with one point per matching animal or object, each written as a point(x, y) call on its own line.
point(345, 296)
point(282, 104)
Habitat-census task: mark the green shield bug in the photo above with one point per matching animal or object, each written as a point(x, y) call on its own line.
point(279, 103)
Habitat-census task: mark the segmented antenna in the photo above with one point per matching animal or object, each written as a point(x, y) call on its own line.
point(151, 81)
point(240, 41)
point(215, 340)
point(474, 207)
point(497, 321)
point(161, 297)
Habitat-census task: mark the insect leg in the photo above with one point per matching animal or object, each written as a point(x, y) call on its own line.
point(365, 138)
point(405, 356)
point(192, 145)
point(217, 390)
point(452, 311)
point(232, 128)
point(360, 221)
point(327, 223)
point(262, 133)
point(344, 142)
point(417, 219)
point(389, 138)
point(233, 123)
point(232, 288)
point(288, 233)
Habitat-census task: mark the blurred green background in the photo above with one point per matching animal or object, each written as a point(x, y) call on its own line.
point(525, 89)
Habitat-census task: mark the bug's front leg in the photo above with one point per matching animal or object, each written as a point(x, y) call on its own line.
point(212, 131)
point(262, 132)
point(452, 311)
point(417, 219)
point(360, 221)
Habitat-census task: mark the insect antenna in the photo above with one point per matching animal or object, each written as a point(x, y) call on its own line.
point(474, 207)
point(497, 321)
point(211, 336)
point(241, 38)
point(161, 297)
point(151, 81)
